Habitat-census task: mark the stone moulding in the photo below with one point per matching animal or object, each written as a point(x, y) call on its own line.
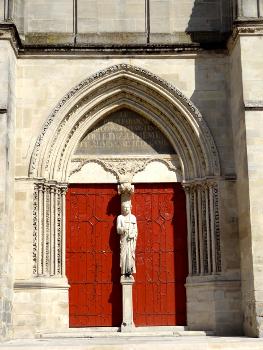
point(204, 250)
point(191, 132)
point(124, 168)
point(245, 28)
point(49, 229)
point(125, 86)
point(253, 105)
point(42, 283)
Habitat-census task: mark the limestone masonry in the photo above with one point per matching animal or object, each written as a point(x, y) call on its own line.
point(109, 92)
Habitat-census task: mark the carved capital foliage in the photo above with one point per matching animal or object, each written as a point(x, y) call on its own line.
point(124, 168)
point(126, 188)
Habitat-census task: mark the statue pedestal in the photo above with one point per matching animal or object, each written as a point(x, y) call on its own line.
point(127, 304)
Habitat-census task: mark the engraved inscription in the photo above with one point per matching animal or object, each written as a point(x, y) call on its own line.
point(124, 132)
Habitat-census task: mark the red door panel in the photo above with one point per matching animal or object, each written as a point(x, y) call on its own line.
point(161, 255)
point(92, 256)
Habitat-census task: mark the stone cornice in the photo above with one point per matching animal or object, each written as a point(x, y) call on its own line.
point(245, 28)
point(253, 105)
point(8, 31)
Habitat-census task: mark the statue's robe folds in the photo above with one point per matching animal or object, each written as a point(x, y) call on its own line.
point(127, 229)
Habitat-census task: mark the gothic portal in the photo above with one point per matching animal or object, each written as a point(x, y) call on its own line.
point(153, 104)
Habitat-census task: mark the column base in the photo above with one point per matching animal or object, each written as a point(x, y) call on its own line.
point(127, 304)
point(214, 305)
point(127, 328)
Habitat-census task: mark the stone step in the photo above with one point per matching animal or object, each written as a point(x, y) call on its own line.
point(141, 343)
point(110, 332)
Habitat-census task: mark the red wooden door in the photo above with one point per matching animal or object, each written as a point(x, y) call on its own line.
point(92, 256)
point(161, 255)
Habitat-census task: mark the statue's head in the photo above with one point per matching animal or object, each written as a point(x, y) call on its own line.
point(126, 208)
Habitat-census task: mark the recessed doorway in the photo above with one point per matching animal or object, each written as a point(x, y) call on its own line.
point(92, 255)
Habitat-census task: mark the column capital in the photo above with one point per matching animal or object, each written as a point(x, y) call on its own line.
point(126, 188)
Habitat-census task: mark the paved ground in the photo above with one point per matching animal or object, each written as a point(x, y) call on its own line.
point(138, 343)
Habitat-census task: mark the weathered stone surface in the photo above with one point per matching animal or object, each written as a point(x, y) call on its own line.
point(120, 22)
point(204, 79)
point(227, 90)
point(111, 16)
point(124, 132)
point(2, 10)
point(7, 67)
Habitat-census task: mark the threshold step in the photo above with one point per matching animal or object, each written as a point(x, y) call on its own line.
point(115, 333)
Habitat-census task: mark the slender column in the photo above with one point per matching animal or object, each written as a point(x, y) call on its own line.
point(200, 230)
point(127, 304)
point(239, 5)
point(189, 229)
point(63, 233)
point(55, 234)
point(59, 232)
point(75, 20)
point(44, 243)
point(196, 235)
point(35, 229)
point(212, 223)
point(147, 21)
point(52, 231)
point(40, 230)
point(6, 10)
point(208, 229)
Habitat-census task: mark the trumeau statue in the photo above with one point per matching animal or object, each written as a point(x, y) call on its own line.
point(127, 229)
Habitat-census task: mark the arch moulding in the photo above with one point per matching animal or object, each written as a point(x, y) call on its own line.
point(125, 86)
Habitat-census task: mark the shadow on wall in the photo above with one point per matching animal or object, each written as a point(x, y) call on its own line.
point(210, 22)
point(209, 25)
point(211, 97)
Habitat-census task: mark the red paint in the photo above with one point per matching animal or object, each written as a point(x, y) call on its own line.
point(92, 255)
point(161, 255)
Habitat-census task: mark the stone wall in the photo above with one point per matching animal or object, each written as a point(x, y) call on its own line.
point(7, 80)
point(247, 112)
point(214, 305)
point(122, 22)
point(248, 9)
point(202, 78)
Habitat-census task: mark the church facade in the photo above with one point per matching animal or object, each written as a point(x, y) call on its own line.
point(165, 97)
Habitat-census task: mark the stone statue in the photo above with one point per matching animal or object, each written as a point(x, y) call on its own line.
point(127, 229)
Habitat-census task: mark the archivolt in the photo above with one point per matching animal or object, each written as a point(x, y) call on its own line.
point(139, 90)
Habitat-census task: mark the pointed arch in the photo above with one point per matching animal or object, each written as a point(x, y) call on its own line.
point(117, 87)
point(124, 86)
